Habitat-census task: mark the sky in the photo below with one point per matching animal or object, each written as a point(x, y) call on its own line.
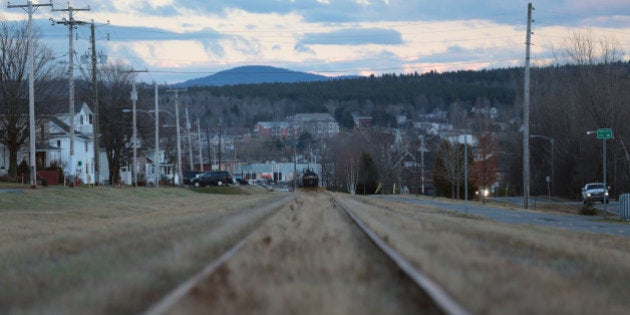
point(177, 40)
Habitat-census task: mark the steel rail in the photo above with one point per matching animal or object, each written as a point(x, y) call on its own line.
point(439, 296)
point(167, 302)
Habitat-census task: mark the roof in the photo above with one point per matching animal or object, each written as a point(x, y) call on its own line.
point(86, 109)
point(66, 129)
point(60, 124)
point(271, 124)
point(44, 147)
point(314, 116)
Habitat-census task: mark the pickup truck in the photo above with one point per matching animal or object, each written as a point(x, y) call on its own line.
point(595, 192)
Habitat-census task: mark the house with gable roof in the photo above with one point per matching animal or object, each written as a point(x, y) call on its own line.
point(58, 140)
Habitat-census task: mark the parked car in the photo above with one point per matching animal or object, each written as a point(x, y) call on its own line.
point(281, 187)
point(595, 192)
point(239, 179)
point(189, 175)
point(214, 178)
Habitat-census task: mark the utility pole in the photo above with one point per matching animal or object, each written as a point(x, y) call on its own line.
point(95, 125)
point(30, 8)
point(466, 172)
point(71, 23)
point(190, 150)
point(199, 143)
point(134, 99)
point(179, 143)
point(156, 156)
point(220, 139)
point(95, 120)
point(526, 110)
point(134, 136)
point(209, 146)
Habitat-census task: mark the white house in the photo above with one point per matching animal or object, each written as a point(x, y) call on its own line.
point(53, 147)
point(83, 161)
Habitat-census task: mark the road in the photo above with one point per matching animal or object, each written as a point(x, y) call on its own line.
point(572, 222)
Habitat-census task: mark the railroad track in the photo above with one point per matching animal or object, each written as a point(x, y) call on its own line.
point(442, 300)
point(313, 256)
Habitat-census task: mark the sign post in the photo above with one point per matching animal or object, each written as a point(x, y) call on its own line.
point(605, 134)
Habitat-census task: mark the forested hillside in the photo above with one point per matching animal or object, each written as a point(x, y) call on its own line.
point(381, 97)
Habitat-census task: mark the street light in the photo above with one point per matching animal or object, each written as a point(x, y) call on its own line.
point(551, 141)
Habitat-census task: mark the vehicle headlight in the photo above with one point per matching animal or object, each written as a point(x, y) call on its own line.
point(606, 193)
point(588, 195)
point(486, 192)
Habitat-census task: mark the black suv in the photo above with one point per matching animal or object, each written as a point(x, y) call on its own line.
point(189, 175)
point(214, 178)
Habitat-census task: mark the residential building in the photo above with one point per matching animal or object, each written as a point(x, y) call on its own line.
point(275, 129)
point(362, 122)
point(56, 148)
point(53, 147)
point(319, 125)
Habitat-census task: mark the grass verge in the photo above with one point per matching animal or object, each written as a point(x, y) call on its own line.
point(498, 268)
point(110, 250)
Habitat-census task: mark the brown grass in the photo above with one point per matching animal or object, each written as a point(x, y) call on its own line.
point(111, 250)
point(497, 268)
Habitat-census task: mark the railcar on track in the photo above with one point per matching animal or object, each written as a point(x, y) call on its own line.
point(310, 179)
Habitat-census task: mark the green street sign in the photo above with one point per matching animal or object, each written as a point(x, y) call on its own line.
point(604, 133)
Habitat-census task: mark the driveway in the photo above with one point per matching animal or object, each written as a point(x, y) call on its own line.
point(572, 222)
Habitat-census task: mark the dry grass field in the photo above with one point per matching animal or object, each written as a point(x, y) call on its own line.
point(112, 250)
point(118, 250)
point(496, 268)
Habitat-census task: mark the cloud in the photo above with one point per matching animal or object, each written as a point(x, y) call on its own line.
point(145, 33)
point(346, 36)
point(361, 36)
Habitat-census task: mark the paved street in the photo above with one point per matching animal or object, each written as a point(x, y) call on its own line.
point(574, 222)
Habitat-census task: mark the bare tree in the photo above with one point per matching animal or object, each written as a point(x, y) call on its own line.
point(484, 171)
point(587, 90)
point(350, 168)
point(448, 170)
point(341, 161)
point(115, 87)
point(14, 121)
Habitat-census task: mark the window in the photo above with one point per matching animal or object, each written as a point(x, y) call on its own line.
point(58, 143)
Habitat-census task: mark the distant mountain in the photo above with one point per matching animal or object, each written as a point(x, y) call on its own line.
point(254, 75)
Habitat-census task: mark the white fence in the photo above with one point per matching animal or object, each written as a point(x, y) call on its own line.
point(624, 207)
